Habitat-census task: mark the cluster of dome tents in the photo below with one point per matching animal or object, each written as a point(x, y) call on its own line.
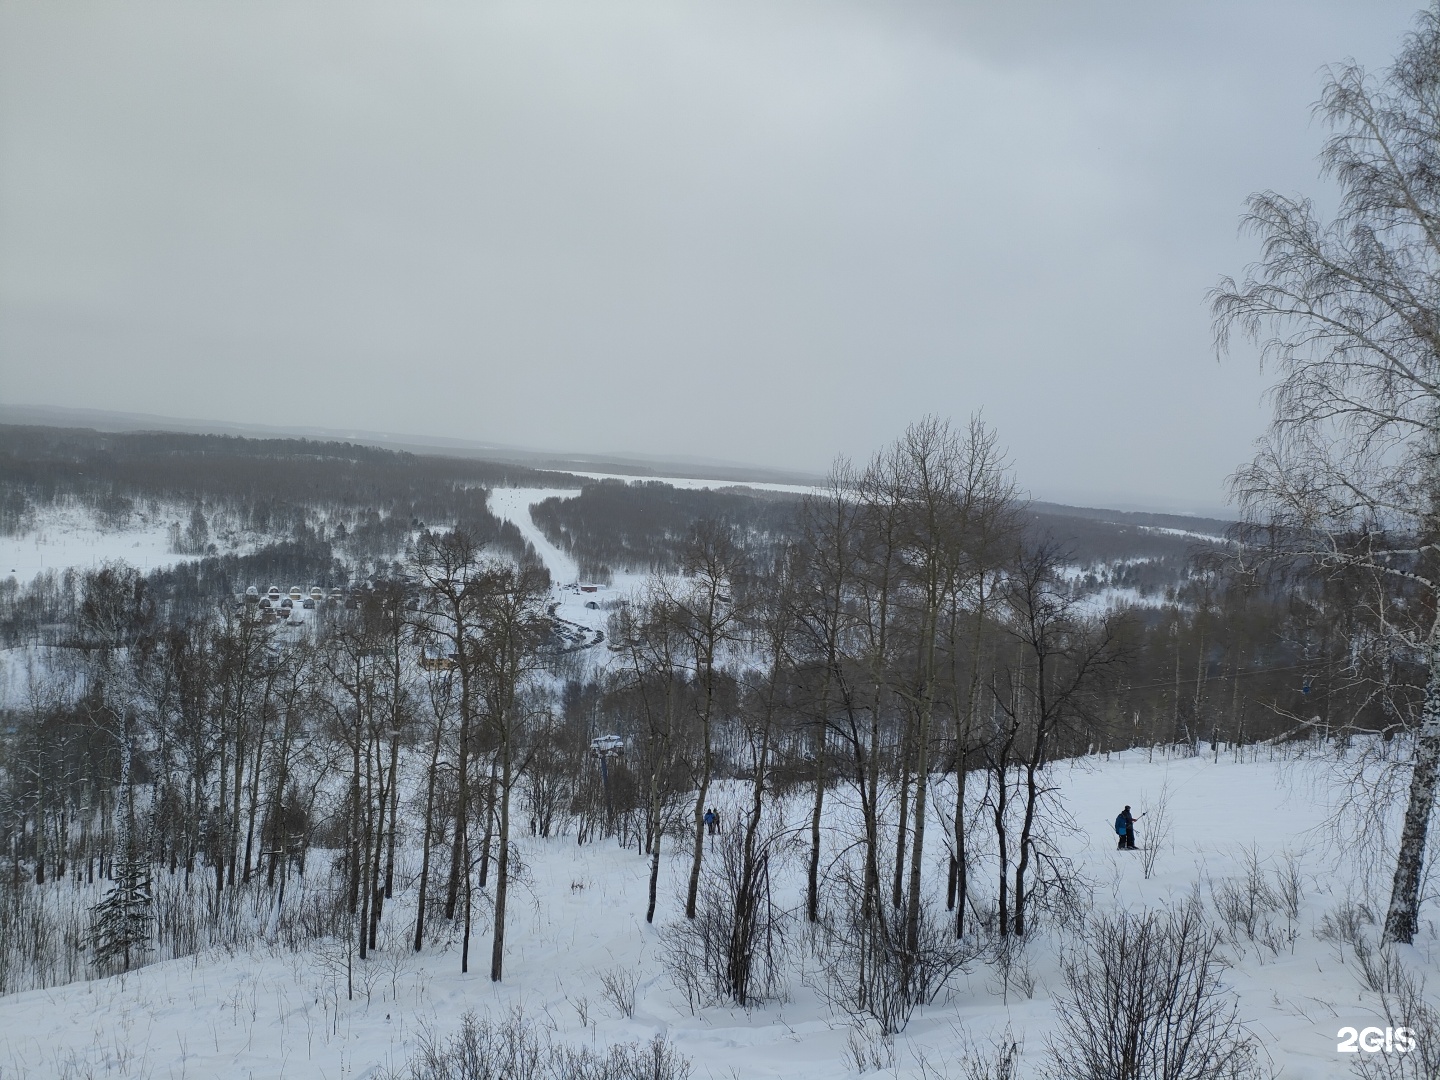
point(274, 603)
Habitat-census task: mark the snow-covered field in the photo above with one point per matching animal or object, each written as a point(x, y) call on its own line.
point(267, 1013)
point(71, 537)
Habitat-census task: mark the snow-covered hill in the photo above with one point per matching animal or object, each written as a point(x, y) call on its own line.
point(266, 1012)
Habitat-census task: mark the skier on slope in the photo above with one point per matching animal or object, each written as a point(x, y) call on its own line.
point(1125, 829)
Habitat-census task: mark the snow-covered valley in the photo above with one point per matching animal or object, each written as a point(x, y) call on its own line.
point(267, 998)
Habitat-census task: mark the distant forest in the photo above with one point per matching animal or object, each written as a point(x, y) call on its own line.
point(270, 484)
point(330, 513)
point(643, 525)
point(253, 510)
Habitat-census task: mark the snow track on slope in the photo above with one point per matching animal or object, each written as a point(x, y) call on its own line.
point(513, 505)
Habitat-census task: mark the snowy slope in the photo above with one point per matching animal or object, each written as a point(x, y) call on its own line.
point(513, 505)
point(272, 1014)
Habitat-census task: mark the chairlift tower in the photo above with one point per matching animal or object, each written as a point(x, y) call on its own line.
point(603, 747)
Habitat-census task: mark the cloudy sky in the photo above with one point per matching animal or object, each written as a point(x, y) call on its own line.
point(765, 232)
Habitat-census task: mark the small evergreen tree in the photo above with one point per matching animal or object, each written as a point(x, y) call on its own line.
point(120, 929)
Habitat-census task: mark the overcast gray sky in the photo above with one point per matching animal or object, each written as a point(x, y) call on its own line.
point(761, 232)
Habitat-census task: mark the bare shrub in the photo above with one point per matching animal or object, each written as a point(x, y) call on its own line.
point(1143, 998)
point(867, 1047)
point(732, 950)
point(1011, 961)
point(1289, 888)
point(1158, 829)
point(514, 1048)
point(618, 985)
point(316, 912)
point(1346, 924)
point(1243, 904)
point(44, 929)
point(865, 967)
point(368, 973)
point(999, 1059)
point(1405, 1005)
point(395, 957)
point(1380, 968)
point(1353, 923)
point(42, 936)
point(333, 961)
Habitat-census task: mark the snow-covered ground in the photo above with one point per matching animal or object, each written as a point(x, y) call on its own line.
point(1117, 598)
point(70, 536)
point(268, 1013)
point(25, 668)
point(1210, 537)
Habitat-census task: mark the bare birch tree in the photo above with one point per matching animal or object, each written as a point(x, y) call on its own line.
point(703, 608)
point(644, 633)
point(1347, 312)
point(513, 626)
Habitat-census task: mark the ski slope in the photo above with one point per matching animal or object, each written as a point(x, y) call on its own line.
point(513, 505)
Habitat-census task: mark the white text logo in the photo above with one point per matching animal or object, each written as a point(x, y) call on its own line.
point(1372, 1040)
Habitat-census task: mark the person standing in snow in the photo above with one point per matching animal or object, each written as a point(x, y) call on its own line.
point(1125, 829)
point(710, 822)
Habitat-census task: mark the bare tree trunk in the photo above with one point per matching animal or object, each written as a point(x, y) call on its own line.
point(657, 830)
point(489, 840)
point(917, 861)
point(368, 826)
point(654, 874)
point(469, 890)
point(354, 838)
point(1022, 862)
point(254, 794)
point(219, 831)
point(698, 851)
point(812, 870)
point(1403, 917)
point(1000, 842)
point(233, 846)
point(375, 883)
point(394, 813)
point(40, 852)
point(959, 869)
point(897, 892)
point(460, 844)
point(502, 871)
point(425, 841)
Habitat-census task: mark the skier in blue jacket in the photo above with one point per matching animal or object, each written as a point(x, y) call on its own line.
point(1125, 829)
